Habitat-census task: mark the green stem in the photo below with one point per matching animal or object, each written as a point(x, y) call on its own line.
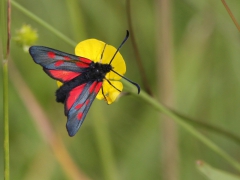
point(155, 104)
point(6, 121)
point(231, 15)
point(181, 122)
point(5, 40)
point(136, 51)
point(43, 23)
point(208, 127)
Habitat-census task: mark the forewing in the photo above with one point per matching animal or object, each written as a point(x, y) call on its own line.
point(57, 64)
point(61, 75)
point(78, 103)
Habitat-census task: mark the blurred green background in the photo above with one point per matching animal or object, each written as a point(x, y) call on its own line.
point(124, 140)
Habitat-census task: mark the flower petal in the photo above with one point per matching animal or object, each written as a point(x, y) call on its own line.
point(109, 91)
point(93, 49)
point(90, 48)
point(59, 84)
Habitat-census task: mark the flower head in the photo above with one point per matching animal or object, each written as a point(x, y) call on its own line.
point(101, 52)
point(26, 36)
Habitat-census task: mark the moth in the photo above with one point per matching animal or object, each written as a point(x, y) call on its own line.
point(82, 80)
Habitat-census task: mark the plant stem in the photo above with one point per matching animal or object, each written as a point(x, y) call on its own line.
point(181, 122)
point(6, 120)
point(136, 51)
point(231, 15)
point(6, 25)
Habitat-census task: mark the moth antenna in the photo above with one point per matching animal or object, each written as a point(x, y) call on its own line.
point(125, 39)
point(135, 84)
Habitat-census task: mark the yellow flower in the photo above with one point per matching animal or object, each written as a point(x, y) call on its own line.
point(93, 49)
point(26, 36)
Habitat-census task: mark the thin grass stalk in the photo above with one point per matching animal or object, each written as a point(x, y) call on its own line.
point(231, 15)
point(165, 72)
point(5, 89)
point(6, 121)
point(136, 51)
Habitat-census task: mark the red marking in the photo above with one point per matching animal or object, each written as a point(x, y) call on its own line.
point(92, 87)
point(98, 87)
point(82, 65)
point(78, 106)
point(59, 63)
point(66, 58)
point(87, 102)
point(51, 54)
point(79, 116)
point(73, 95)
point(85, 60)
point(95, 87)
point(62, 75)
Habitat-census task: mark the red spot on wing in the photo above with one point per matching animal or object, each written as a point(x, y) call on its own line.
point(78, 106)
point(79, 116)
point(73, 95)
point(82, 65)
point(85, 60)
point(59, 63)
point(92, 87)
point(66, 58)
point(95, 87)
point(87, 102)
point(62, 75)
point(51, 54)
point(98, 87)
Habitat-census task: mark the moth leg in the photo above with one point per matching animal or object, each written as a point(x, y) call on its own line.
point(104, 95)
point(112, 85)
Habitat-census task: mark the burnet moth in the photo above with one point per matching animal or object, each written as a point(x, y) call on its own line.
point(82, 80)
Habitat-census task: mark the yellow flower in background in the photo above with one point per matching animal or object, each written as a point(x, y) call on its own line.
point(101, 52)
point(26, 36)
